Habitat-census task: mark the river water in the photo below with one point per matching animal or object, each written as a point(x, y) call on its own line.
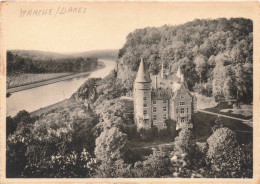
point(36, 98)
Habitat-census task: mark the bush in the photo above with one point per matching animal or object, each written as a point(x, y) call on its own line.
point(225, 156)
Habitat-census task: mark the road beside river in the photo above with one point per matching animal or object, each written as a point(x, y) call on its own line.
point(42, 96)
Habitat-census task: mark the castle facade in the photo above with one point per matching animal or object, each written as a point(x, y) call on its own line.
point(161, 97)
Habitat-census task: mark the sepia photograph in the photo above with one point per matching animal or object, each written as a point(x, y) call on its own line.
point(128, 90)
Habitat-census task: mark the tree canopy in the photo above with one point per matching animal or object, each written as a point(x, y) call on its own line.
point(216, 55)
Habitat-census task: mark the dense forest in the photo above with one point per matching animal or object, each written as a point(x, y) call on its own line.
point(94, 134)
point(216, 55)
point(19, 62)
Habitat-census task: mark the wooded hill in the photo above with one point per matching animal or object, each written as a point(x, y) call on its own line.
point(216, 55)
point(33, 61)
point(17, 63)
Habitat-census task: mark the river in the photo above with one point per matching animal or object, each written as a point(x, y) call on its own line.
point(36, 98)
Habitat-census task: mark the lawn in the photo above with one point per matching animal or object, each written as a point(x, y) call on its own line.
point(208, 103)
point(245, 111)
point(203, 123)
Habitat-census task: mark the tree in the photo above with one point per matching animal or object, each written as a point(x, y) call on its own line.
point(218, 124)
point(111, 145)
point(183, 143)
point(156, 165)
point(225, 156)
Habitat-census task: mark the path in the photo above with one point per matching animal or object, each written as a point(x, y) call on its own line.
point(245, 121)
point(166, 144)
point(46, 82)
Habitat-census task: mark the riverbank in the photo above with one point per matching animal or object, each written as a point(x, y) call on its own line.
point(46, 95)
point(43, 83)
point(52, 80)
point(48, 108)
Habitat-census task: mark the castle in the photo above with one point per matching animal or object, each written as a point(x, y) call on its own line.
point(161, 97)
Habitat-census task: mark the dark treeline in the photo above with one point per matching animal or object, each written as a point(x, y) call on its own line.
point(216, 55)
point(23, 64)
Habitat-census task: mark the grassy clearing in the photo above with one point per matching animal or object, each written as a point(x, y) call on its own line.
point(203, 123)
point(248, 113)
point(204, 102)
point(227, 109)
point(245, 111)
point(30, 78)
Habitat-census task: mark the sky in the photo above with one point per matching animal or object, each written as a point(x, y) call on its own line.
point(98, 25)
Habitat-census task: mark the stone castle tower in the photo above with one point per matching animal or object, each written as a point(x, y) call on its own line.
point(160, 97)
point(142, 97)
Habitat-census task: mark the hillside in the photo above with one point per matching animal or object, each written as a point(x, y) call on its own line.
point(42, 62)
point(215, 55)
point(101, 54)
point(44, 55)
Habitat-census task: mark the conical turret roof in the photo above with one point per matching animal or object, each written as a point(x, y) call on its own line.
point(180, 74)
point(142, 74)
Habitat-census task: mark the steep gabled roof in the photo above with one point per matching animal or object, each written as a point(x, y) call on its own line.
point(142, 74)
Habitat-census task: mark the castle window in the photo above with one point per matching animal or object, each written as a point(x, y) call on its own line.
point(154, 102)
point(187, 110)
point(182, 120)
point(164, 108)
point(154, 117)
point(182, 103)
point(187, 119)
point(164, 101)
point(177, 111)
point(145, 105)
point(164, 125)
point(154, 109)
point(145, 98)
point(164, 116)
point(182, 110)
point(145, 112)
